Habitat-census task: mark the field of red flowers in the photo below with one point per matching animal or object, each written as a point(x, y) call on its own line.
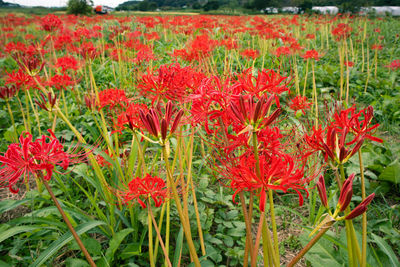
point(199, 141)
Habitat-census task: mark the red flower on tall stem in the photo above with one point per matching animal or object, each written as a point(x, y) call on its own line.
point(141, 189)
point(27, 158)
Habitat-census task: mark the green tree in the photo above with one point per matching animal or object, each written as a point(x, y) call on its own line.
point(79, 7)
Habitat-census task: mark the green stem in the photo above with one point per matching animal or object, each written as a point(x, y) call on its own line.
point(273, 221)
point(150, 225)
point(184, 221)
point(159, 236)
point(70, 227)
point(12, 120)
point(311, 243)
point(364, 216)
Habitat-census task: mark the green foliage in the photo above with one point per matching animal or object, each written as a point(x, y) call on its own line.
point(211, 5)
point(79, 7)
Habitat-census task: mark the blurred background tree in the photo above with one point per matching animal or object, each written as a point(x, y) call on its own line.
point(79, 7)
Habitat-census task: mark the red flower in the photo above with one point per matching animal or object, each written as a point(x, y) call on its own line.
point(112, 98)
point(395, 65)
point(300, 103)
point(313, 54)
point(377, 47)
point(278, 172)
point(50, 23)
point(130, 117)
point(67, 62)
point(141, 189)
point(358, 123)
point(266, 81)
point(27, 158)
point(250, 53)
point(342, 31)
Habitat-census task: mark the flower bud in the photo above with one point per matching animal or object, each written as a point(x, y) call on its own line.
point(361, 208)
point(322, 191)
point(346, 193)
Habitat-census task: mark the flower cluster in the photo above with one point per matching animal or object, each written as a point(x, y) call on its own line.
point(142, 189)
point(31, 158)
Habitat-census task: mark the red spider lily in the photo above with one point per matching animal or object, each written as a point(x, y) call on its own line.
point(7, 92)
point(20, 79)
point(333, 143)
point(51, 23)
point(376, 47)
point(310, 36)
point(248, 113)
point(266, 81)
point(87, 50)
point(250, 53)
point(141, 189)
point(361, 208)
point(112, 98)
point(283, 50)
point(300, 103)
point(342, 31)
point(169, 81)
point(102, 162)
point(130, 117)
point(29, 157)
point(394, 65)
point(49, 103)
point(322, 191)
point(67, 62)
point(349, 64)
point(157, 123)
point(277, 172)
point(311, 54)
point(346, 193)
point(358, 123)
point(29, 58)
point(210, 101)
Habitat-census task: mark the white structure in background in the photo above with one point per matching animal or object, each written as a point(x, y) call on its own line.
point(270, 10)
point(381, 10)
point(326, 9)
point(291, 9)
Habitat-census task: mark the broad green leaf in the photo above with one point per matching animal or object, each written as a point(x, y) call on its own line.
point(63, 240)
point(17, 230)
point(178, 248)
point(384, 246)
point(391, 173)
point(10, 204)
point(115, 242)
point(71, 262)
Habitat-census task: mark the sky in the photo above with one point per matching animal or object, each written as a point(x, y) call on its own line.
point(58, 3)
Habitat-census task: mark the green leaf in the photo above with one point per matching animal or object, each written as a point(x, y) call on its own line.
point(178, 248)
point(322, 253)
point(92, 245)
point(63, 240)
point(384, 246)
point(115, 242)
point(17, 230)
point(391, 173)
point(10, 204)
point(71, 262)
